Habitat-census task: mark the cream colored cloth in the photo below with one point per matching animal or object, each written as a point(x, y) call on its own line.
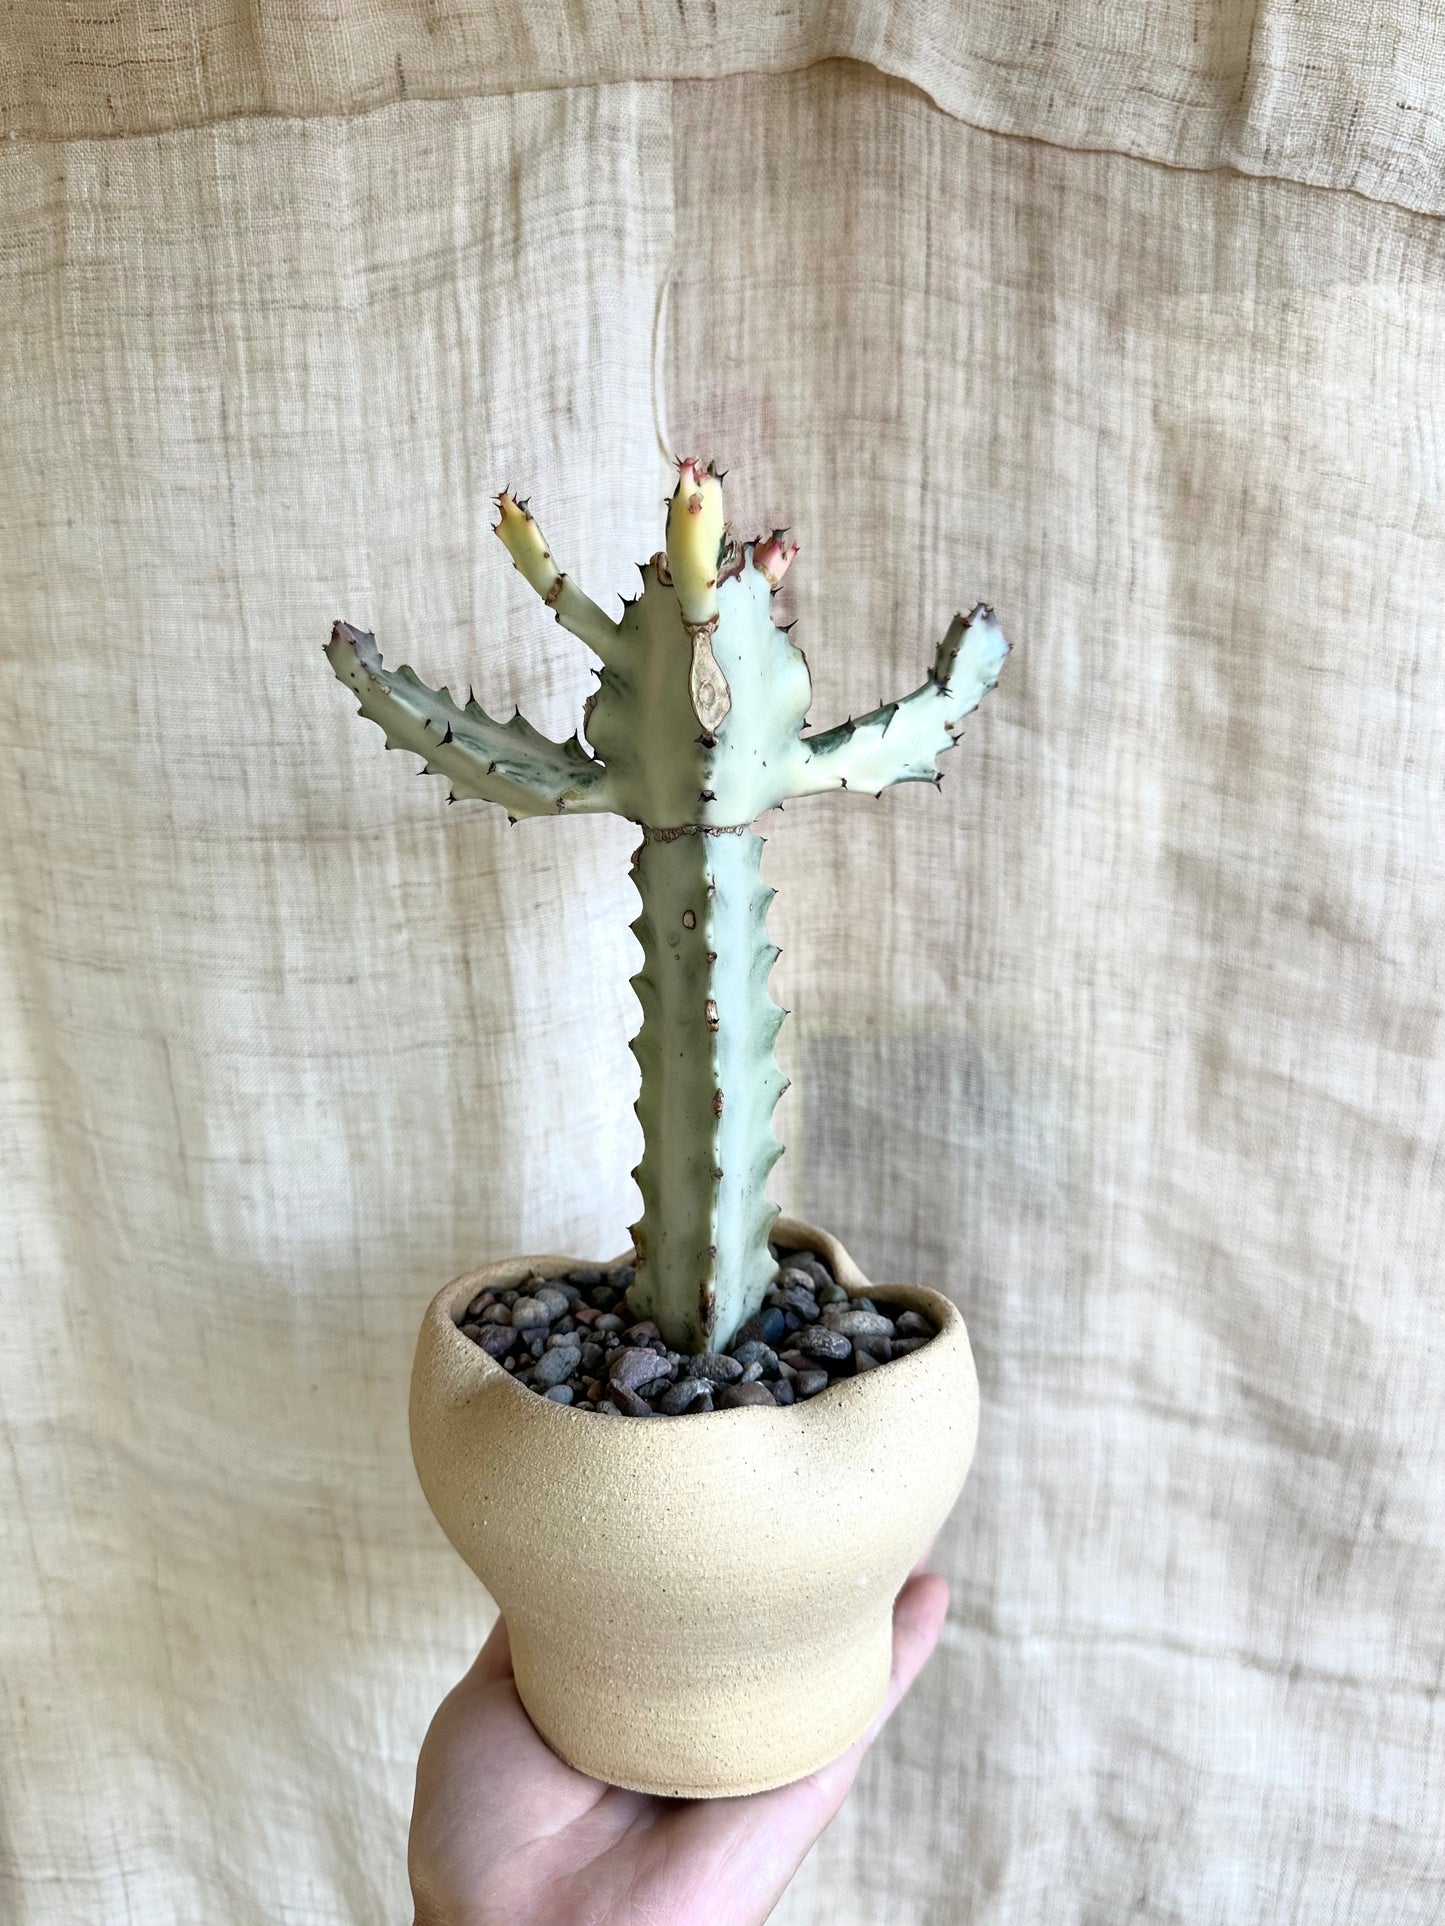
point(1130, 1038)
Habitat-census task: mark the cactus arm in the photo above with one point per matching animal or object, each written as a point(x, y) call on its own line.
point(902, 741)
point(501, 762)
point(576, 611)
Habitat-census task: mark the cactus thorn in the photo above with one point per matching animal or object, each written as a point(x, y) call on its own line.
point(448, 737)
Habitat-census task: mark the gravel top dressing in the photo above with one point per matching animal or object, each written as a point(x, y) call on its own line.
point(570, 1339)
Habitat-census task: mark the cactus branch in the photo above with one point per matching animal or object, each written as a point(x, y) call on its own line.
point(578, 613)
point(902, 741)
point(500, 762)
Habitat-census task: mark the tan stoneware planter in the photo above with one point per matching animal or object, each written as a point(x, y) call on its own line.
point(698, 1606)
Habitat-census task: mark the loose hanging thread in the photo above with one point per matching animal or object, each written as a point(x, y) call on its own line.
point(659, 422)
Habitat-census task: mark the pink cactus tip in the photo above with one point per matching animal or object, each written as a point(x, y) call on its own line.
point(774, 556)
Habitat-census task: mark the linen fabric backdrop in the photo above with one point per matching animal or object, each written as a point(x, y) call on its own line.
point(1126, 319)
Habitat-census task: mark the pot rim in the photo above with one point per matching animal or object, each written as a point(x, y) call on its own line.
point(477, 1370)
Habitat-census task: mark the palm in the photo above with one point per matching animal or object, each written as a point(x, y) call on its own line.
point(504, 1831)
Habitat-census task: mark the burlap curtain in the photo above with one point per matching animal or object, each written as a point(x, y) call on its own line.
point(1127, 318)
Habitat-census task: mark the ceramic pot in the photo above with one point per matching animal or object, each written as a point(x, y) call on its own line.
point(698, 1606)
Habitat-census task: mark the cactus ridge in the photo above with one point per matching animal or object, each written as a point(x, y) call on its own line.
point(695, 729)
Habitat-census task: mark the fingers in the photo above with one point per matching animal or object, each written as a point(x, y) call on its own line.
point(494, 1661)
point(921, 1562)
point(918, 1620)
point(764, 1838)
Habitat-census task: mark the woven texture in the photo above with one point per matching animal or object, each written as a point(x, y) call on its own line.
point(1130, 1038)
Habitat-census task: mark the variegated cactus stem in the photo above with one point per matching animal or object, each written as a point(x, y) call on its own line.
point(695, 730)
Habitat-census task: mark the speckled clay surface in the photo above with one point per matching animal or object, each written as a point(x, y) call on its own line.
point(698, 1606)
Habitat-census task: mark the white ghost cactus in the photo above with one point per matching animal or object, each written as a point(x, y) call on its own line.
point(695, 729)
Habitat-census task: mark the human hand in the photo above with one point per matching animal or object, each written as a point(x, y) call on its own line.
point(503, 1833)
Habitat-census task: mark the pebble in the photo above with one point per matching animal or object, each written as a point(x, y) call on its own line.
point(629, 1403)
point(819, 1342)
point(631, 1367)
point(556, 1301)
point(832, 1294)
point(857, 1324)
point(783, 1392)
point(613, 1410)
point(496, 1314)
point(756, 1352)
point(765, 1327)
point(496, 1339)
point(639, 1333)
point(585, 1276)
point(733, 1395)
point(554, 1367)
point(811, 1266)
point(592, 1355)
point(902, 1346)
point(913, 1324)
point(751, 1374)
point(864, 1360)
point(716, 1366)
point(559, 1393)
point(797, 1299)
point(527, 1313)
point(808, 1384)
point(609, 1321)
point(683, 1395)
